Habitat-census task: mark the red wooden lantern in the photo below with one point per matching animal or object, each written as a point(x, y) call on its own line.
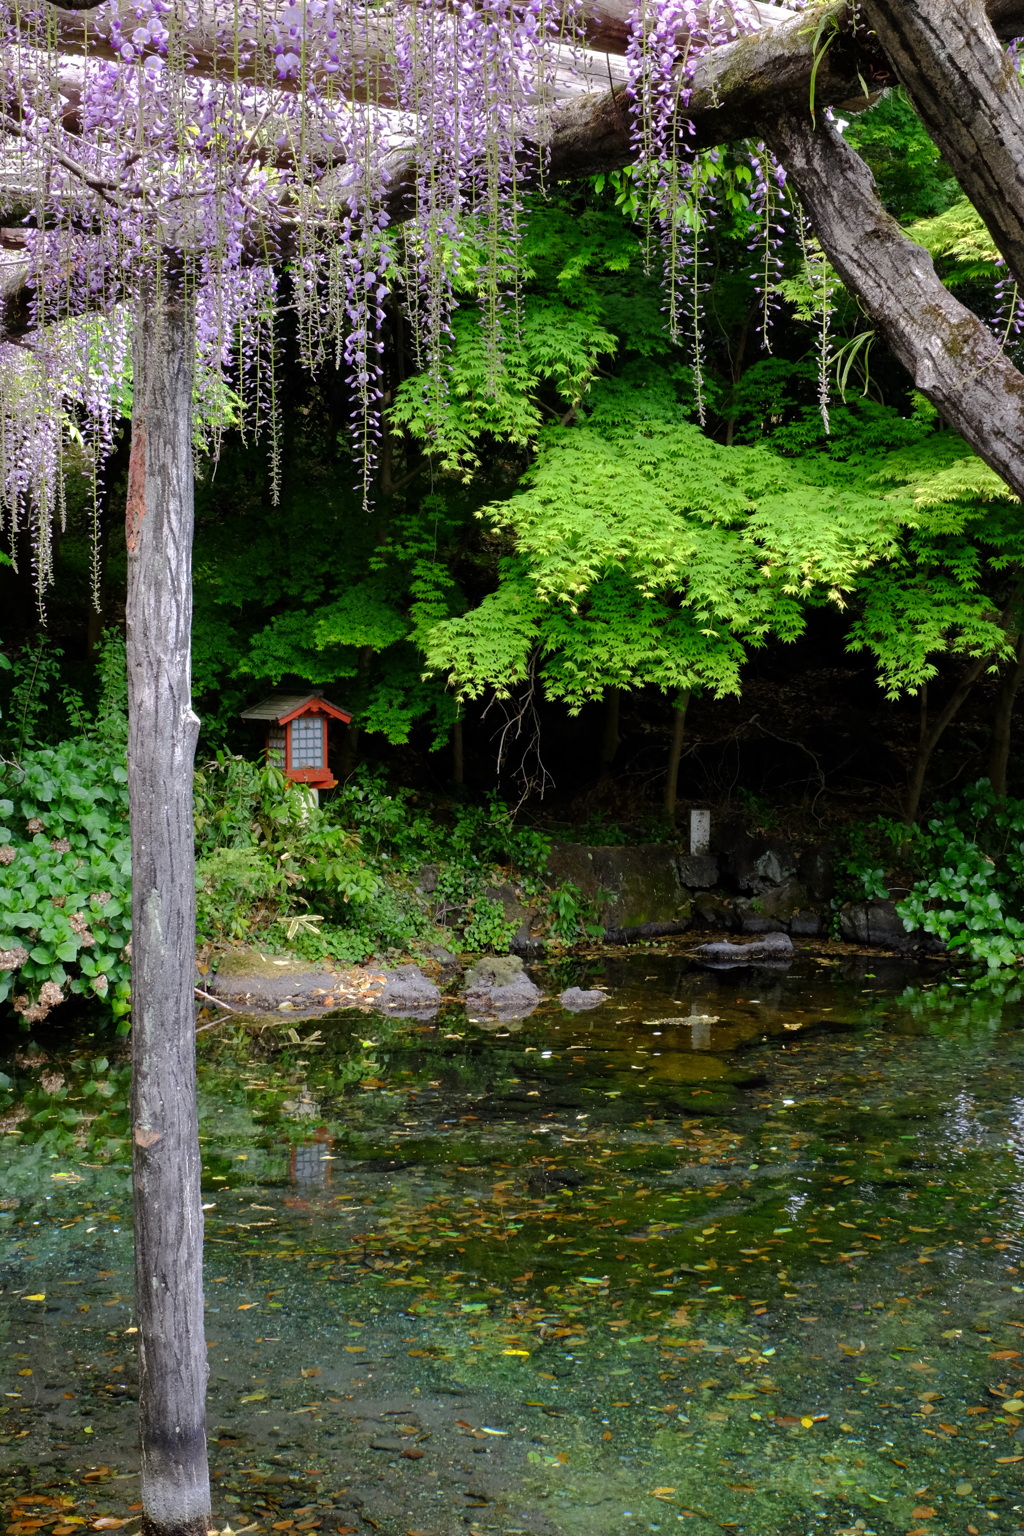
point(297, 734)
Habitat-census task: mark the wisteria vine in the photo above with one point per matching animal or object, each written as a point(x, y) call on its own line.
point(340, 158)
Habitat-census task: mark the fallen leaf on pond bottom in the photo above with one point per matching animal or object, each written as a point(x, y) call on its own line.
point(313, 1370)
point(922, 1512)
point(1005, 1460)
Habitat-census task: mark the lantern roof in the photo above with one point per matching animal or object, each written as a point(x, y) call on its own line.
point(282, 706)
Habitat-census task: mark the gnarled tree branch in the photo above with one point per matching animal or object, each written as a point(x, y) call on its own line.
point(968, 93)
point(952, 357)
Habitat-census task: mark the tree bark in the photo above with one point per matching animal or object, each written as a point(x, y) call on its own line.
point(969, 96)
point(931, 734)
point(349, 753)
point(1002, 720)
point(162, 731)
point(610, 735)
point(951, 356)
point(675, 753)
point(458, 754)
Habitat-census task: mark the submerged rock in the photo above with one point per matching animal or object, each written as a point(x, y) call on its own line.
point(497, 987)
point(408, 994)
point(546, 1179)
point(773, 946)
point(576, 1000)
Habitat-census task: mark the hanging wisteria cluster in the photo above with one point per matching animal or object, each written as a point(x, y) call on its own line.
point(335, 157)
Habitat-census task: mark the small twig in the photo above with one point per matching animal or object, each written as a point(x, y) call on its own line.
point(208, 996)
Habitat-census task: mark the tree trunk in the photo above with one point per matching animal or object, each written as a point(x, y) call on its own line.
point(349, 753)
point(162, 731)
point(610, 736)
point(968, 94)
point(952, 357)
point(675, 753)
point(458, 755)
point(930, 734)
point(1002, 722)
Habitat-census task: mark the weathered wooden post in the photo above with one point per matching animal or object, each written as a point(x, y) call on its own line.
point(162, 732)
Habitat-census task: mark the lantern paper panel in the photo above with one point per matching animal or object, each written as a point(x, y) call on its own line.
point(307, 742)
point(275, 746)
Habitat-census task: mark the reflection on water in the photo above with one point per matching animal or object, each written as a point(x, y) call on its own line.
point(311, 1161)
point(735, 1251)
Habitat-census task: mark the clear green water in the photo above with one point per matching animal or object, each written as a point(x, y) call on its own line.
point(786, 1273)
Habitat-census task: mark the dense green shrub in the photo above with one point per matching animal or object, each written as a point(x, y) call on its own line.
point(344, 879)
point(266, 856)
point(64, 877)
point(964, 870)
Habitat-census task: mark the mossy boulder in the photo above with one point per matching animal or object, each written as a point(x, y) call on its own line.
point(637, 889)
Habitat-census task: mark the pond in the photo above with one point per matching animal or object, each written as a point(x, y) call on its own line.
point(738, 1250)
